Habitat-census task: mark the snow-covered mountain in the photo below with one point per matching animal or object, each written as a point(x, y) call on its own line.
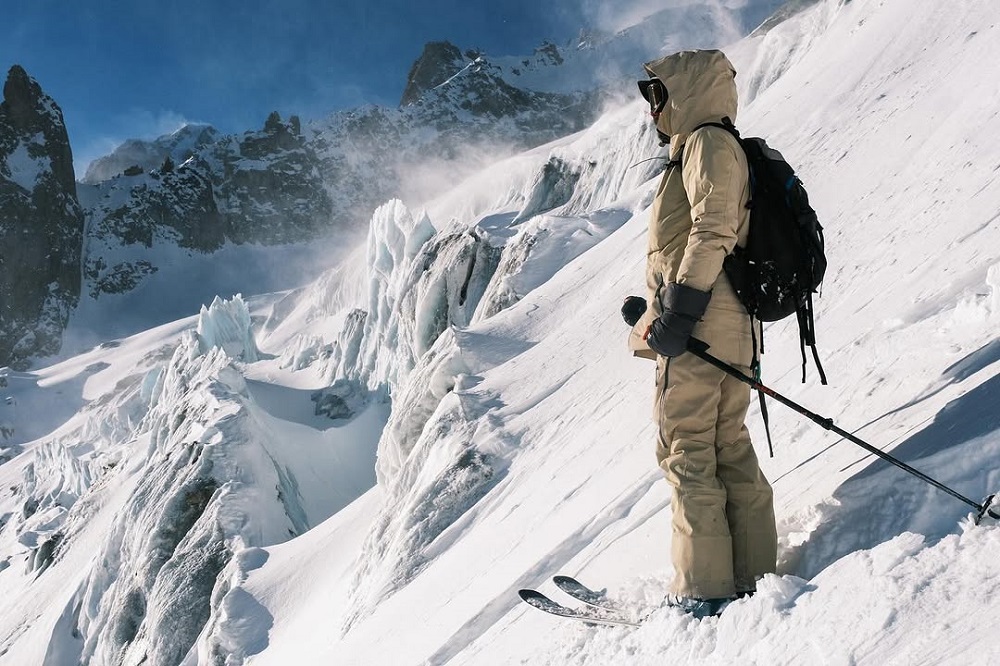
point(156, 209)
point(180, 145)
point(366, 469)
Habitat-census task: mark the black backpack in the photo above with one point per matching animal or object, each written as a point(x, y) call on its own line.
point(783, 263)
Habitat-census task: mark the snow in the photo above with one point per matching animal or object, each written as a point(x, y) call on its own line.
point(22, 168)
point(365, 469)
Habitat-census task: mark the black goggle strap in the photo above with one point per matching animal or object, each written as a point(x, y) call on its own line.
point(654, 92)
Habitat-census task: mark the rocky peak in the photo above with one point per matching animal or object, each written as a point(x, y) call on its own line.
point(439, 62)
point(276, 137)
point(21, 98)
point(27, 112)
point(149, 155)
point(41, 223)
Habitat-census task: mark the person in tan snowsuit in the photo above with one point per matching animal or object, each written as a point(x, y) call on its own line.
point(724, 535)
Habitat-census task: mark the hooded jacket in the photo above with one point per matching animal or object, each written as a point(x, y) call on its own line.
point(700, 212)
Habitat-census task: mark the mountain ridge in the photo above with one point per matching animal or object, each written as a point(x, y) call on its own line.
point(197, 191)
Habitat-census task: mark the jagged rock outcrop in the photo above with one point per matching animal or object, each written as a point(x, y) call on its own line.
point(263, 187)
point(41, 222)
point(274, 190)
point(439, 62)
point(479, 95)
point(471, 97)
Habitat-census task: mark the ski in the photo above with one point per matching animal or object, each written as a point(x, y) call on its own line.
point(580, 592)
point(588, 615)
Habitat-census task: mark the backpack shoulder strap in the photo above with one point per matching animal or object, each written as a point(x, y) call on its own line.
point(726, 124)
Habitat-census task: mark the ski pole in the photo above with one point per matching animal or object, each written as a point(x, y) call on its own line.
point(700, 349)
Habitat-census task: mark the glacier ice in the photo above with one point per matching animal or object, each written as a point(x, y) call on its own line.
point(226, 324)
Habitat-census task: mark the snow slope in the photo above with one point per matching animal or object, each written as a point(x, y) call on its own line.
point(192, 507)
point(864, 98)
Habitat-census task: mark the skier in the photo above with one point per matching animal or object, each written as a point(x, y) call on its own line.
point(724, 535)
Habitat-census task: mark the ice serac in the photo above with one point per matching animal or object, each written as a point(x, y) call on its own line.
point(420, 283)
point(226, 325)
point(206, 489)
point(41, 223)
point(197, 479)
point(427, 286)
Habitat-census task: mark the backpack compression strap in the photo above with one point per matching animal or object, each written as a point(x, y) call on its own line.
point(807, 337)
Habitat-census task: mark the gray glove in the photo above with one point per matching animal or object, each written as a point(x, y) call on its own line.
point(683, 307)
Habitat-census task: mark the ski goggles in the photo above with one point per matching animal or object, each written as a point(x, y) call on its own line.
point(654, 92)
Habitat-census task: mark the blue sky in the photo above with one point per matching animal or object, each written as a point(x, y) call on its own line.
point(122, 69)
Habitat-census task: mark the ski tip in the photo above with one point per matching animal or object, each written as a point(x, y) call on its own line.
point(528, 595)
point(574, 587)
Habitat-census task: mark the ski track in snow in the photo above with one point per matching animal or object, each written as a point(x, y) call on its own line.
point(483, 428)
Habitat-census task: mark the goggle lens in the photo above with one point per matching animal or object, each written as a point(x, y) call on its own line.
point(654, 92)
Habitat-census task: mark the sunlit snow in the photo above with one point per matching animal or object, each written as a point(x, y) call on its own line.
point(365, 470)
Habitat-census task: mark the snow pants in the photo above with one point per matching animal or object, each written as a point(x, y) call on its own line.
point(724, 535)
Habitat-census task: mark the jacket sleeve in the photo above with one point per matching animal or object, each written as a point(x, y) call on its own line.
point(715, 182)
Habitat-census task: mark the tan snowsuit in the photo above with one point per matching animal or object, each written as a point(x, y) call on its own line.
point(723, 516)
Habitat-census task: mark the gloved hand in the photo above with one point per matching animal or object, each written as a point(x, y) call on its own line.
point(633, 308)
point(682, 308)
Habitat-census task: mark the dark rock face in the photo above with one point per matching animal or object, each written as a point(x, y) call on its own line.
point(524, 115)
point(41, 223)
point(274, 190)
point(439, 62)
